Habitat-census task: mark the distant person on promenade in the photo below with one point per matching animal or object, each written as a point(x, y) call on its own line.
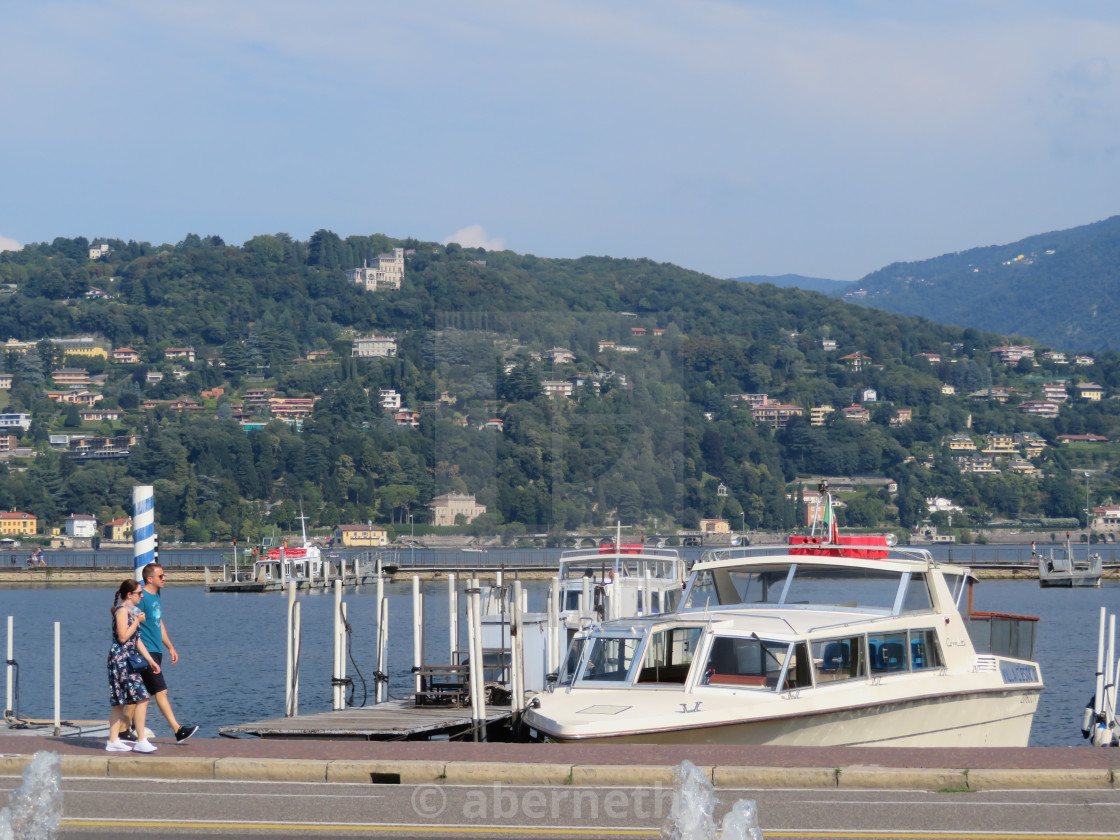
point(153, 633)
point(126, 686)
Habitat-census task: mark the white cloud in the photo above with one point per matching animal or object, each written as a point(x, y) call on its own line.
point(475, 236)
point(8, 244)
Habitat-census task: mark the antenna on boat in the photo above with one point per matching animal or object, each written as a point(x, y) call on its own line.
point(302, 522)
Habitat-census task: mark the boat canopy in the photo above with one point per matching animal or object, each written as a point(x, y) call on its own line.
point(811, 583)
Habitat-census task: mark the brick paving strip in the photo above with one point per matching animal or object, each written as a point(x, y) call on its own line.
point(415, 762)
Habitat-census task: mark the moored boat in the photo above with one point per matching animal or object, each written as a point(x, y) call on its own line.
point(1065, 570)
point(820, 643)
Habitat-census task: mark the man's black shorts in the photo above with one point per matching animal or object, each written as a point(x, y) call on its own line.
point(152, 681)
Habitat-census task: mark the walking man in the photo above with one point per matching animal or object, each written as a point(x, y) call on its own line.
point(153, 633)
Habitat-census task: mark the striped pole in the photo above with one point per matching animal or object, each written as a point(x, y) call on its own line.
point(143, 528)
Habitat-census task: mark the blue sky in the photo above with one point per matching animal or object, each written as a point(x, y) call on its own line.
point(734, 138)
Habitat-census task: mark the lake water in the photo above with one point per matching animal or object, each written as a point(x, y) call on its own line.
point(231, 648)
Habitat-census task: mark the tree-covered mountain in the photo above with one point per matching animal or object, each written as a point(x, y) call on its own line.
point(836, 288)
point(561, 393)
point(1059, 288)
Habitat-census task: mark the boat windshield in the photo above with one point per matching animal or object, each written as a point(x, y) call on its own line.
point(809, 584)
point(571, 661)
point(610, 659)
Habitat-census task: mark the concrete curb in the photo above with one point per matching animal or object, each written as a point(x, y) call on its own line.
point(407, 772)
point(902, 778)
point(773, 777)
point(473, 773)
point(1069, 779)
point(626, 775)
point(385, 772)
point(271, 769)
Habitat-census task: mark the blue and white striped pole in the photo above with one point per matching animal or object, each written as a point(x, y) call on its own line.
point(143, 528)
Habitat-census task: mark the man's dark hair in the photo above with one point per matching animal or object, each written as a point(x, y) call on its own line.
point(149, 571)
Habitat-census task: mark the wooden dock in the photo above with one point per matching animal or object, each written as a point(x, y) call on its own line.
point(393, 720)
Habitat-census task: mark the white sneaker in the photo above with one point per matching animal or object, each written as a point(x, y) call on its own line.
point(118, 746)
point(144, 746)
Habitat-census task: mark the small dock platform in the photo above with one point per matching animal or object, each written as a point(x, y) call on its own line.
point(393, 720)
point(244, 585)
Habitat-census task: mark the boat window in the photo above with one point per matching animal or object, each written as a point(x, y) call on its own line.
point(839, 659)
point(571, 599)
point(916, 597)
point(610, 659)
point(798, 673)
point(845, 586)
point(925, 651)
point(670, 598)
point(722, 587)
point(751, 663)
point(669, 655)
point(956, 583)
point(571, 661)
point(887, 652)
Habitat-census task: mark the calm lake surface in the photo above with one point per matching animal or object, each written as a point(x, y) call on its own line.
point(231, 648)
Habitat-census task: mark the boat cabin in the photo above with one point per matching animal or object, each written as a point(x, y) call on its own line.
point(793, 622)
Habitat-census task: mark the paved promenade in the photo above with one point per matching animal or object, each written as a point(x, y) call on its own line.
point(420, 762)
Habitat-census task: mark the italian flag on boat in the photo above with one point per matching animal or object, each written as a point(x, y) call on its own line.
point(831, 544)
point(831, 528)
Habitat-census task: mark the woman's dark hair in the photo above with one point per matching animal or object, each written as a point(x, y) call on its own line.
point(127, 587)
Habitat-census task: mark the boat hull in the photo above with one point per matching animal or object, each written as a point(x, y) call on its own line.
point(1059, 581)
point(990, 719)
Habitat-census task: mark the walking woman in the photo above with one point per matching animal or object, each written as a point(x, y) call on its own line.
point(126, 686)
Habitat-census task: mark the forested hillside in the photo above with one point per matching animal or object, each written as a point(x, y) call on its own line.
point(1059, 288)
point(561, 393)
point(836, 288)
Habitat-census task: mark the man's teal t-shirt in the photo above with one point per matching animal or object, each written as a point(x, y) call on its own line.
point(151, 631)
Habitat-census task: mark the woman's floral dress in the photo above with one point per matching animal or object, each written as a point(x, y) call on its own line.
point(126, 687)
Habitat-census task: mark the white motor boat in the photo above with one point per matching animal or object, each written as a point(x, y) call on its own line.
point(616, 580)
point(822, 643)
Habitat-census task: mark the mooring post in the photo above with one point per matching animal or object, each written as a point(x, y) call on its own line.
point(417, 632)
point(452, 615)
point(382, 650)
point(380, 646)
point(296, 645)
point(516, 653)
point(472, 662)
point(1110, 673)
point(289, 662)
point(478, 665)
point(552, 639)
point(1098, 697)
point(57, 678)
point(10, 698)
point(336, 671)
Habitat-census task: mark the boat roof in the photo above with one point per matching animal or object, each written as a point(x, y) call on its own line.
point(626, 559)
point(879, 558)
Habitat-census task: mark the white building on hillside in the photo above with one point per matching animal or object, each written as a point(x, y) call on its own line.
point(383, 272)
point(374, 346)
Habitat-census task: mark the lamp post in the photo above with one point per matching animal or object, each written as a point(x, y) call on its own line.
point(1088, 513)
point(411, 541)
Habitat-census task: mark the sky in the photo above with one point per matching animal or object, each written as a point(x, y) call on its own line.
point(825, 137)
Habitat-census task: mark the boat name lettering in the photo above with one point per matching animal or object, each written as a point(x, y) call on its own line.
point(1013, 672)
